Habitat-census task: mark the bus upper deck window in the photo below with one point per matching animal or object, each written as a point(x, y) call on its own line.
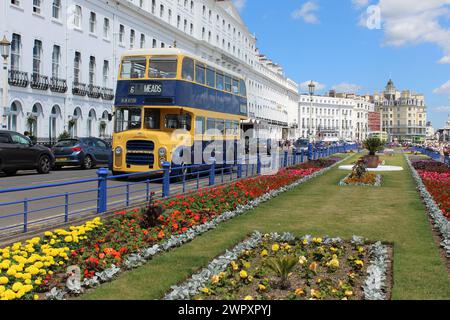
point(235, 86)
point(188, 69)
point(219, 81)
point(133, 68)
point(200, 73)
point(151, 118)
point(210, 77)
point(243, 89)
point(163, 68)
point(227, 83)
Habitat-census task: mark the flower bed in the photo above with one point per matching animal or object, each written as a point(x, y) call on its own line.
point(436, 177)
point(440, 221)
point(128, 239)
point(273, 267)
point(368, 179)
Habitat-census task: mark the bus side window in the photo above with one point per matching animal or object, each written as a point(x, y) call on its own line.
point(219, 81)
point(199, 72)
point(210, 124)
point(220, 125)
point(188, 69)
point(228, 128)
point(227, 83)
point(236, 127)
point(210, 77)
point(235, 86)
point(243, 89)
point(199, 125)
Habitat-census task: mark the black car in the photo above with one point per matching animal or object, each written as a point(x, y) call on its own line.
point(18, 152)
point(84, 152)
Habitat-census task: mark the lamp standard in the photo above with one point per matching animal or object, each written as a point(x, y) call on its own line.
point(4, 51)
point(311, 88)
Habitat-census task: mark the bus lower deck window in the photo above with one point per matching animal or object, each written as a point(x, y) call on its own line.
point(152, 118)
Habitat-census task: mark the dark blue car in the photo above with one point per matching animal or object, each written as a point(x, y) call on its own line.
point(83, 152)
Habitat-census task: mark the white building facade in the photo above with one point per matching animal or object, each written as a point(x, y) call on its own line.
point(333, 118)
point(65, 56)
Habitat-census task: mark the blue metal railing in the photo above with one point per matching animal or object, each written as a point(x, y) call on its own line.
point(433, 155)
point(104, 193)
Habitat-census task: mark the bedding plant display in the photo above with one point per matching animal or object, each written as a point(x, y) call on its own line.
point(436, 177)
point(285, 267)
point(100, 248)
point(360, 176)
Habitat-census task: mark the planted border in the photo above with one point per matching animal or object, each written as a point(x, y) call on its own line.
point(143, 255)
point(224, 270)
point(378, 182)
point(440, 222)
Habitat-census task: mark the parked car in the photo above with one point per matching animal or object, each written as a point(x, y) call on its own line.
point(83, 152)
point(18, 152)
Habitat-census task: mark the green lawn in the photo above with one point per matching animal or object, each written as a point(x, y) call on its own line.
point(392, 213)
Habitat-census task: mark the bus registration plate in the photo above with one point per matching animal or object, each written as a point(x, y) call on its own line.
point(152, 89)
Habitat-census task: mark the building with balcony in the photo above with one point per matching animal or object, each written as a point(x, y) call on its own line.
point(335, 116)
point(65, 56)
point(403, 114)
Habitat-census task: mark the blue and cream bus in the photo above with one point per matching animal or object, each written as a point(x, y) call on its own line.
point(162, 90)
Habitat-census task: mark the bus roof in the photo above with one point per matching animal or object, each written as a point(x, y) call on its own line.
point(176, 51)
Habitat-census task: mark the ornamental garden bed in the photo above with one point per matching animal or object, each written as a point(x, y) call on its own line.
point(368, 179)
point(433, 183)
point(36, 269)
point(274, 267)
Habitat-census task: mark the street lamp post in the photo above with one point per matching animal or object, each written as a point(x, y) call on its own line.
point(4, 51)
point(311, 88)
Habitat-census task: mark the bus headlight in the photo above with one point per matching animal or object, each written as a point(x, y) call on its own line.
point(118, 151)
point(162, 152)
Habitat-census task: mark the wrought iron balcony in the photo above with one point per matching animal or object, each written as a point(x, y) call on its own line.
point(107, 94)
point(39, 81)
point(79, 89)
point(94, 92)
point(18, 78)
point(58, 85)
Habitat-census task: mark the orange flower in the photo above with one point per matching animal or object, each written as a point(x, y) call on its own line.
point(161, 234)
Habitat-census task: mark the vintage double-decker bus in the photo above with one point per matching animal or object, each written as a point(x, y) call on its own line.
point(163, 90)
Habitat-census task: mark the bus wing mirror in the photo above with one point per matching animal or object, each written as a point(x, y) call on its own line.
point(110, 117)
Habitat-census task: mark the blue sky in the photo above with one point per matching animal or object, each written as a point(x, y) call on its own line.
point(328, 41)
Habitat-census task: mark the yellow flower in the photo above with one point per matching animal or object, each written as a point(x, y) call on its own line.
point(17, 286)
point(36, 297)
point(333, 263)
point(315, 293)
point(261, 287)
point(9, 294)
point(243, 274)
point(248, 298)
point(275, 247)
point(215, 279)
point(302, 260)
point(264, 253)
point(348, 293)
point(359, 263)
point(247, 265)
point(299, 292)
point(48, 234)
point(68, 239)
point(317, 240)
point(234, 265)
point(2, 289)
point(204, 290)
point(4, 280)
point(37, 282)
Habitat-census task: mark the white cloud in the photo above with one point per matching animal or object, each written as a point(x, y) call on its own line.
point(360, 3)
point(307, 12)
point(445, 60)
point(347, 87)
point(319, 86)
point(414, 22)
point(240, 4)
point(442, 109)
point(444, 89)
